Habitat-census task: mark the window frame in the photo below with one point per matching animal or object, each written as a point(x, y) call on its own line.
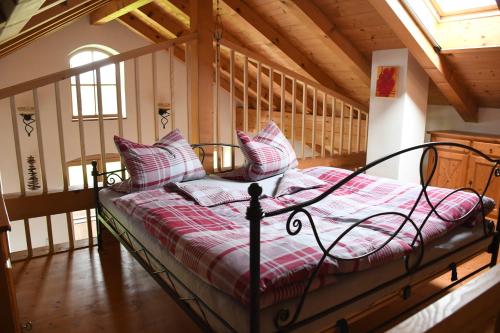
point(94, 117)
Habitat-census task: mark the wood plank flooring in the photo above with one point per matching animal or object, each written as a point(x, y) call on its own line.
point(84, 291)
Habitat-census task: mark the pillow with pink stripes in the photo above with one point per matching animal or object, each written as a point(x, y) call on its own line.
point(267, 154)
point(169, 160)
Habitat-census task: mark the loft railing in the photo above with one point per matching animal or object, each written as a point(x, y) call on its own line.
point(58, 139)
point(318, 121)
point(249, 91)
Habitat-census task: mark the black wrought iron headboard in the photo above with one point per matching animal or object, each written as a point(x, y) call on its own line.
point(284, 319)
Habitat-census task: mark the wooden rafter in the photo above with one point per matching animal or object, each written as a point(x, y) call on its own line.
point(177, 8)
point(278, 39)
point(115, 9)
point(317, 22)
point(157, 18)
point(49, 20)
point(434, 64)
point(17, 14)
point(136, 25)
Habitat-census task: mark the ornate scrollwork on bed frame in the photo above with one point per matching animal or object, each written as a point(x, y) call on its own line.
point(287, 319)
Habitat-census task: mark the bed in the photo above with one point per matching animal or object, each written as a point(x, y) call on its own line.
point(381, 242)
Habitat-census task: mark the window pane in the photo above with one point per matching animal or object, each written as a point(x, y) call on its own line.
point(111, 166)
point(80, 58)
point(87, 78)
point(109, 100)
point(108, 74)
point(454, 6)
point(76, 177)
point(98, 55)
point(74, 101)
point(88, 100)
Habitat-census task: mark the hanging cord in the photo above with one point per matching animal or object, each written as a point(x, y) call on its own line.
point(217, 36)
point(172, 86)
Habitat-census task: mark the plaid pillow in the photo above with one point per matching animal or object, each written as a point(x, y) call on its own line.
point(169, 160)
point(269, 153)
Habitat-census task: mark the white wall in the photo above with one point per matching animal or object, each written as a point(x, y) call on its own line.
point(50, 54)
point(444, 117)
point(399, 122)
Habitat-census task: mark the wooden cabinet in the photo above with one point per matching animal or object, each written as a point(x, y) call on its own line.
point(459, 167)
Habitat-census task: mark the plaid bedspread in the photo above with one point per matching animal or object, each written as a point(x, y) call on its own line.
point(214, 242)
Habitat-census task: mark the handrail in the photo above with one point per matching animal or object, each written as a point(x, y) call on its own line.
point(67, 73)
point(290, 73)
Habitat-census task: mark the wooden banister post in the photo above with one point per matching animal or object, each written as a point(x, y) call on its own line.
point(201, 77)
point(9, 313)
point(254, 215)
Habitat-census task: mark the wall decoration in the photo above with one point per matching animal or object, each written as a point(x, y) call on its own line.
point(164, 110)
point(27, 114)
point(33, 181)
point(387, 81)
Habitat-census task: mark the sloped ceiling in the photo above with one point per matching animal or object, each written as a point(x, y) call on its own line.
point(335, 51)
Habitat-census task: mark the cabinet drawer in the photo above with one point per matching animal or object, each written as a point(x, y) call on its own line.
point(489, 149)
point(449, 148)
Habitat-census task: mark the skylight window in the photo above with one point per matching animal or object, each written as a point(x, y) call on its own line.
point(463, 7)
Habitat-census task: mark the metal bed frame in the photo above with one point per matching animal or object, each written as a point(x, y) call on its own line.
point(286, 320)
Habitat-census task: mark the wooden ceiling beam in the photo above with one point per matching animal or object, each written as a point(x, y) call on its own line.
point(17, 14)
point(157, 18)
point(434, 64)
point(177, 8)
point(77, 8)
point(136, 25)
point(115, 9)
point(278, 39)
point(318, 23)
point(54, 11)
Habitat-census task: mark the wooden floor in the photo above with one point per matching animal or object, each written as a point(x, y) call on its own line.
point(86, 291)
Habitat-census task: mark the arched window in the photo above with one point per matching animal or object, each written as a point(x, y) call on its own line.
point(88, 84)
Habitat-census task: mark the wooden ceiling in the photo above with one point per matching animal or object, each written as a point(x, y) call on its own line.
point(329, 41)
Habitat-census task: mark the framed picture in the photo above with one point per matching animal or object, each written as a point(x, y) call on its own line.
point(387, 81)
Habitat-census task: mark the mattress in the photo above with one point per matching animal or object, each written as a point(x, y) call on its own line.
point(343, 289)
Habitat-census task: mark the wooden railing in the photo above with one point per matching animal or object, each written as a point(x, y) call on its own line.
point(319, 122)
point(58, 138)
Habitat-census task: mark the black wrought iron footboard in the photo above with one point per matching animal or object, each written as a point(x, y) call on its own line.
point(285, 319)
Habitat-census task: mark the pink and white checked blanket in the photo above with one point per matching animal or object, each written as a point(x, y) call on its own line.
point(214, 242)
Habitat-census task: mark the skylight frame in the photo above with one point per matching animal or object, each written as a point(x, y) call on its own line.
point(471, 13)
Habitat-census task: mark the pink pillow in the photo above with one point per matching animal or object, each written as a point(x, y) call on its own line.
point(267, 154)
point(169, 160)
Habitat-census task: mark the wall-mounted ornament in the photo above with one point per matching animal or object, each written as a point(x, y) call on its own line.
point(387, 81)
point(164, 110)
point(27, 114)
point(33, 181)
